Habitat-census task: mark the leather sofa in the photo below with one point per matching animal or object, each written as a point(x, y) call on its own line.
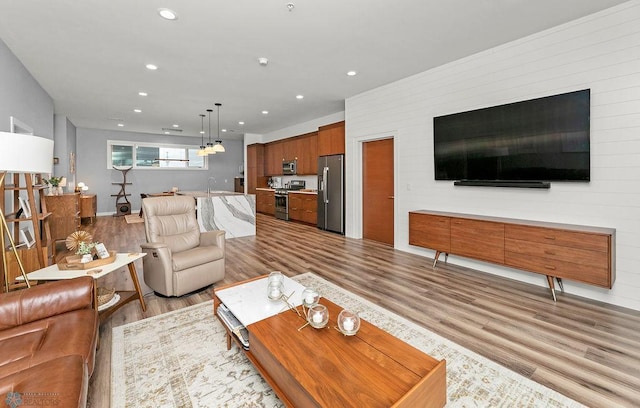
point(48, 339)
point(180, 259)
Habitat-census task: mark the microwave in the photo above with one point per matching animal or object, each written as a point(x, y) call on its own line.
point(289, 167)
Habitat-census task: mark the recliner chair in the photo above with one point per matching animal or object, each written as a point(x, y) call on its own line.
point(180, 259)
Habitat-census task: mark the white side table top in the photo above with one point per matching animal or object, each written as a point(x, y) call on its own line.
point(54, 273)
point(249, 302)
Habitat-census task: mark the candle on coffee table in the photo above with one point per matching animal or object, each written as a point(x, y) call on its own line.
point(317, 317)
point(348, 324)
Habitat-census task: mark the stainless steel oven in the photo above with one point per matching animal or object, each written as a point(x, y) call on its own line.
point(282, 205)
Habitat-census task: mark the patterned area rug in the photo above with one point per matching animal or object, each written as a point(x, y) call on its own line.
point(179, 359)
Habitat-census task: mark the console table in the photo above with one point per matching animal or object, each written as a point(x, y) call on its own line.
point(575, 252)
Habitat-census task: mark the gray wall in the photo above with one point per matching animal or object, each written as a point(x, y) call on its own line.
point(92, 168)
point(65, 144)
point(22, 96)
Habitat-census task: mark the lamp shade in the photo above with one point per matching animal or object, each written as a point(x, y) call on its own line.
point(21, 153)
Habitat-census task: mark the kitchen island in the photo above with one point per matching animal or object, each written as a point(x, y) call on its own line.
point(232, 212)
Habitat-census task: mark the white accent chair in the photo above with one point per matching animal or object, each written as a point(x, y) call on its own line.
point(180, 259)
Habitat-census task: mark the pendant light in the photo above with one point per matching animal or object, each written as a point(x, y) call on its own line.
point(202, 151)
point(218, 148)
point(209, 149)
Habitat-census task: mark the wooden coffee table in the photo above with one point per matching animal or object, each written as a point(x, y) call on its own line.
point(323, 368)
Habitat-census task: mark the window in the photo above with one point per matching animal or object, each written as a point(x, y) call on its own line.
point(154, 156)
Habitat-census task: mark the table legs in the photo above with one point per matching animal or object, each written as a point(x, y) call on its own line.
point(134, 278)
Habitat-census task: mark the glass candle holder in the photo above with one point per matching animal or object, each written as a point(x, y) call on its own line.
point(318, 316)
point(310, 297)
point(275, 289)
point(276, 276)
point(348, 323)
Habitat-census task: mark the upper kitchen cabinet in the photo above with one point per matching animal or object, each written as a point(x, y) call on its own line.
point(255, 166)
point(307, 147)
point(274, 154)
point(331, 139)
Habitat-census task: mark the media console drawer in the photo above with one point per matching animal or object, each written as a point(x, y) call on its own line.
point(579, 253)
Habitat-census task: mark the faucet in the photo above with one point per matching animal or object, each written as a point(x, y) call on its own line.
point(209, 185)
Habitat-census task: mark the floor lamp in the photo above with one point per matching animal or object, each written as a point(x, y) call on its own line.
point(20, 153)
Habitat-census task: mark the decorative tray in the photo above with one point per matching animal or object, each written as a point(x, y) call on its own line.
point(73, 262)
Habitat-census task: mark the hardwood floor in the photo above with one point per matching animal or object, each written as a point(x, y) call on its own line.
point(586, 350)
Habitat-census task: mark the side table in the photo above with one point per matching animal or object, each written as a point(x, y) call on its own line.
point(54, 273)
point(88, 206)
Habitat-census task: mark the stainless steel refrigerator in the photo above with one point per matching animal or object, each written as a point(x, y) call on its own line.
point(331, 193)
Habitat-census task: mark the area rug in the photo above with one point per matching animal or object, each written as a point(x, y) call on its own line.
point(179, 359)
point(133, 219)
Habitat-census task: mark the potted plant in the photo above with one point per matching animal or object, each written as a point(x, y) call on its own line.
point(85, 249)
point(54, 185)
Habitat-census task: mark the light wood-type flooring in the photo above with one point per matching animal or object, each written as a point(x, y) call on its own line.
point(586, 350)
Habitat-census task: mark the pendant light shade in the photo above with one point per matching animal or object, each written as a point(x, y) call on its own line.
point(218, 147)
point(209, 149)
point(202, 151)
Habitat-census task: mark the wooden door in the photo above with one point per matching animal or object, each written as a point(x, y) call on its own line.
point(378, 191)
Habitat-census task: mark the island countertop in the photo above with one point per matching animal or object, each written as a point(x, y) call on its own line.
point(217, 193)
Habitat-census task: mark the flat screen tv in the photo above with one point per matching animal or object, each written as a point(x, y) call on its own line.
point(538, 140)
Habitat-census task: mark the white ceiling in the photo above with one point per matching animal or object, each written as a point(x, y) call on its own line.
point(90, 55)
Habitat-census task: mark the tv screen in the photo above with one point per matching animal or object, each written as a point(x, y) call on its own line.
point(543, 139)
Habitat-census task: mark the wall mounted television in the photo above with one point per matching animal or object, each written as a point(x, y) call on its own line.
point(521, 144)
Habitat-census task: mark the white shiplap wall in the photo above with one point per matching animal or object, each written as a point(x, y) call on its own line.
point(600, 52)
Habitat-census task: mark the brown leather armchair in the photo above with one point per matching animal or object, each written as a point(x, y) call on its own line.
point(180, 259)
point(48, 338)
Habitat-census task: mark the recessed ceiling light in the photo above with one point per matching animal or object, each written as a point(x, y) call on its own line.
point(174, 125)
point(167, 14)
point(265, 112)
point(120, 124)
point(241, 123)
point(352, 73)
point(141, 93)
point(299, 96)
point(137, 110)
point(152, 67)
point(223, 130)
point(166, 133)
point(202, 132)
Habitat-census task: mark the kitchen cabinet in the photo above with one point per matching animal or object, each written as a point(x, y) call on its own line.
point(65, 214)
point(303, 207)
point(307, 147)
point(580, 253)
point(265, 201)
point(255, 166)
point(273, 158)
point(331, 139)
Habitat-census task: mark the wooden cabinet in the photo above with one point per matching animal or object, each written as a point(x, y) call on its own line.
point(273, 153)
point(255, 166)
point(65, 214)
point(580, 253)
point(430, 231)
point(478, 239)
point(331, 139)
point(307, 146)
point(303, 207)
point(88, 206)
point(573, 255)
point(265, 201)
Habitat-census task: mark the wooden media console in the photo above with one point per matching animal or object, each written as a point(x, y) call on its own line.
point(575, 252)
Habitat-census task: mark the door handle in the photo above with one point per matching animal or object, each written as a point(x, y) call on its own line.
point(391, 197)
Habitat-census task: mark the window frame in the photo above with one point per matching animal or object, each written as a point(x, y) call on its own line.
point(135, 145)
